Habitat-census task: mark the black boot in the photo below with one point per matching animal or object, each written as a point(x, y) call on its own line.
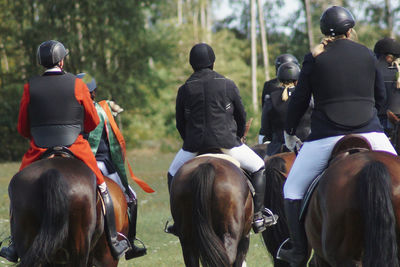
point(261, 219)
point(135, 251)
point(117, 247)
point(170, 177)
point(297, 255)
point(10, 253)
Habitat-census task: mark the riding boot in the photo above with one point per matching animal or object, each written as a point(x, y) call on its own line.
point(297, 255)
point(10, 253)
point(170, 177)
point(117, 247)
point(261, 220)
point(135, 251)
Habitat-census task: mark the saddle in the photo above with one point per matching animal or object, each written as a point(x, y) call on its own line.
point(57, 151)
point(346, 146)
point(231, 159)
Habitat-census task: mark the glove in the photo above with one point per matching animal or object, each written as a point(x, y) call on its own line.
point(291, 141)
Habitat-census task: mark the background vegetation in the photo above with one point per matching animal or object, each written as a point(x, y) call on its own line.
point(138, 51)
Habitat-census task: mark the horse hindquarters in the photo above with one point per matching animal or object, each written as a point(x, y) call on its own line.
point(380, 244)
point(210, 248)
point(53, 229)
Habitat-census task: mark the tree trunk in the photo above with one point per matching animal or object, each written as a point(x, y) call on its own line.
point(389, 18)
point(264, 42)
point(208, 21)
point(253, 55)
point(309, 24)
point(180, 17)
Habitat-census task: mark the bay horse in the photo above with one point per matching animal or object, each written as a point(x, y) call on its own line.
point(212, 208)
point(277, 168)
point(351, 217)
point(56, 215)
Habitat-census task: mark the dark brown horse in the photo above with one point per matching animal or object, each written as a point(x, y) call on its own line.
point(351, 218)
point(212, 208)
point(395, 133)
point(56, 217)
point(277, 168)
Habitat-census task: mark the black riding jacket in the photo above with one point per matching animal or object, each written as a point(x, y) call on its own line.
point(347, 88)
point(392, 92)
point(209, 112)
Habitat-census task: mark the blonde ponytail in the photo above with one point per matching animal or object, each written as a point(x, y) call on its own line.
point(320, 48)
point(285, 93)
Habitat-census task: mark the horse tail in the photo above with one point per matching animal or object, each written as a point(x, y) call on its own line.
point(211, 250)
point(380, 244)
point(53, 230)
point(273, 237)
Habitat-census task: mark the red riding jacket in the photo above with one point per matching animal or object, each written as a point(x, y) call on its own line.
point(80, 147)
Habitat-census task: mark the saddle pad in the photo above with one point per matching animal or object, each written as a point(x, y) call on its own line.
point(307, 196)
point(221, 156)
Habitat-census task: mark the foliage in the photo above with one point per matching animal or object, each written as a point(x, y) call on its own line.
point(138, 53)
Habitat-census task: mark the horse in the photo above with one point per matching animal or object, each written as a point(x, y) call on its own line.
point(352, 214)
point(277, 168)
point(56, 215)
point(212, 208)
point(394, 136)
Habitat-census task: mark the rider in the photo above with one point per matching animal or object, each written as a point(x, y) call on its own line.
point(387, 50)
point(348, 89)
point(105, 142)
point(210, 114)
point(55, 110)
point(270, 86)
point(275, 109)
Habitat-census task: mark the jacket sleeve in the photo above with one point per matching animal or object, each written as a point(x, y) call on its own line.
point(301, 97)
point(180, 112)
point(239, 112)
point(266, 128)
point(379, 89)
point(23, 117)
point(83, 96)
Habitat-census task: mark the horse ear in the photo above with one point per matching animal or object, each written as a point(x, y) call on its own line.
point(392, 117)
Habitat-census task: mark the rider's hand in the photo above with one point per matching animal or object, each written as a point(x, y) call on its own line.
point(291, 141)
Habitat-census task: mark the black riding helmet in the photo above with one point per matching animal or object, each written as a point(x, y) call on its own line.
point(387, 46)
point(50, 53)
point(284, 58)
point(288, 72)
point(336, 20)
point(201, 56)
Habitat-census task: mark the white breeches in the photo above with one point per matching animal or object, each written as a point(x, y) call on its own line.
point(115, 177)
point(247, 158)
point(313, 158)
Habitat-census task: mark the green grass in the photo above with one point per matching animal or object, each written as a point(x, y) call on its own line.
point(163, 249)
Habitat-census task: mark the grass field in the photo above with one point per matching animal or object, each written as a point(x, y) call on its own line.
point(163, 249)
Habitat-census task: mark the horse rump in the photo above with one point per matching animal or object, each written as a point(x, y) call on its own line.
point(53, 230)
point(211, 250)
point(375, 198)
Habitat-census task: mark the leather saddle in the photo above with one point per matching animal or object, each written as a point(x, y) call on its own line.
point(347, 145)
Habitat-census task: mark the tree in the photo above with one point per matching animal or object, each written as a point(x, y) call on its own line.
point(253, 56)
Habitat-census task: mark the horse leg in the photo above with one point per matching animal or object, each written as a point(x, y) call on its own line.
point(242, 249)
point(190, 254)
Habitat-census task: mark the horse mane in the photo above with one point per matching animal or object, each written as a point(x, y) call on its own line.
point(275, 168)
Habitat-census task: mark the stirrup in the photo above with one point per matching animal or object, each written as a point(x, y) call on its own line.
point(271, 219)
point(278, 253)
point(170, 229)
